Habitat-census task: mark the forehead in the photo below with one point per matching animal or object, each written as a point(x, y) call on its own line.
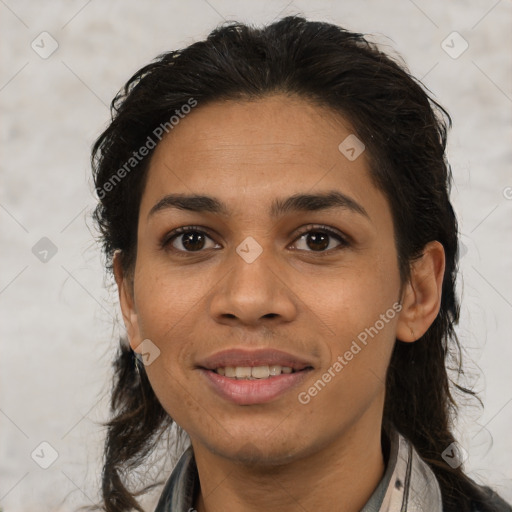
point(258, 150)
point(287, 127)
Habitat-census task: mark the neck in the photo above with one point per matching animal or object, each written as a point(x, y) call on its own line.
point(341, 476)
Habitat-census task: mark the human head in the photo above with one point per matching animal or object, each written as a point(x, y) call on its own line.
point(404, 134)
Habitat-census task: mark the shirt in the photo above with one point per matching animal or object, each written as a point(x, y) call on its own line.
point(408, 484)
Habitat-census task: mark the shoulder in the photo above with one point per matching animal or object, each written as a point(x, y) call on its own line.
point(492, 502)
point(487, 501)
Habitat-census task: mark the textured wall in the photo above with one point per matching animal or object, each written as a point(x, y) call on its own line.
point(57, 333)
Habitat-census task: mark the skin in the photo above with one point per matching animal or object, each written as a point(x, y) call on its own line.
point(312, 303)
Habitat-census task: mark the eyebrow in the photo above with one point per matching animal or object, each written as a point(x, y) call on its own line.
point(298, 202)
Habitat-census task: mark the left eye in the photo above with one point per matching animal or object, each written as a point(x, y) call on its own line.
point(320, 240)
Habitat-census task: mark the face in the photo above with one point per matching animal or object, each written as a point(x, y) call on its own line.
point(263, 280)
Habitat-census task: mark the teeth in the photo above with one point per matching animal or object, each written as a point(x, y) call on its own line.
point(242, 372)
point(275, 370)
point(253, 372)
point(260, 372)
point(229, 371)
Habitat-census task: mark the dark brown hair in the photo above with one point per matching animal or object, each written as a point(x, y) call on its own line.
point(404, 131)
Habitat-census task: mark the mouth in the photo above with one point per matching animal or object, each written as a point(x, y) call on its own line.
point(253, 377)
point(254, 372)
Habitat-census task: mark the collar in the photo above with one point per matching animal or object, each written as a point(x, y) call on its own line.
point(408, 483)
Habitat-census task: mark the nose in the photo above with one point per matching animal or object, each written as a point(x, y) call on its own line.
point(253, 293)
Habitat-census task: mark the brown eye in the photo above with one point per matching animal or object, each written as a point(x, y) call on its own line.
point(193, 241)
point(317, 241)
point(188, 239)
point(321, 240)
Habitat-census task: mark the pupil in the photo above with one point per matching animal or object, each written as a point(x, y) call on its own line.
point(191, 239)
point(318, 241)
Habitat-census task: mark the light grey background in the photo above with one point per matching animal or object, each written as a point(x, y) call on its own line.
point(57, 334)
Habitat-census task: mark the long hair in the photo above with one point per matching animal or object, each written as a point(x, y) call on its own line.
point(404, 131)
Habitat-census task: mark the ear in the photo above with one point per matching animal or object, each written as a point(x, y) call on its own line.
point(126, 300)
point(421, 297)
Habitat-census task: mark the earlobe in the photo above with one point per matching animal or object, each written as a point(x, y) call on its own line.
point(126, 301)
point(421, 298)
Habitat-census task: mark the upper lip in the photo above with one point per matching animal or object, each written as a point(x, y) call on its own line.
point(260, 357)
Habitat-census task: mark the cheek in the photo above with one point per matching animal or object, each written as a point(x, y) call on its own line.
point(166, 299)
point(167, 307)
point(355, 375)
point(361, 309)
point(167, 315)
point(355, 298)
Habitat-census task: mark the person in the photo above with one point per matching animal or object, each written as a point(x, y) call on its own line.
point(274, 206)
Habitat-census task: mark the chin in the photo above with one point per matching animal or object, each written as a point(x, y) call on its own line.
point(258, 450)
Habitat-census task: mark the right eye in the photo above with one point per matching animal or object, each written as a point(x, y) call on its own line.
point(187, 239)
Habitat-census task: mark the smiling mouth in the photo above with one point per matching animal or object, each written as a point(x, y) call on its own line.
point(250, 377)
point(251, 385)
point(256, 372)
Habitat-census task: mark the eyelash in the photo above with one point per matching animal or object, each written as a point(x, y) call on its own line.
point(312, 228)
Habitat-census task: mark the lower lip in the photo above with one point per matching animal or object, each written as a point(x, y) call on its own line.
point(256, 391)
